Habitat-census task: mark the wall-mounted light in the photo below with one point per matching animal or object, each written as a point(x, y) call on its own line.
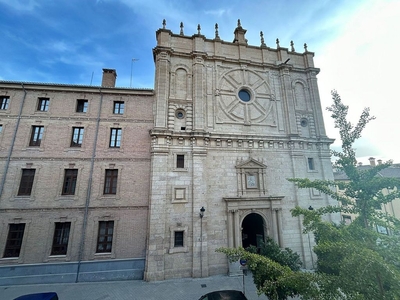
point(310, 208)
point(202, 210)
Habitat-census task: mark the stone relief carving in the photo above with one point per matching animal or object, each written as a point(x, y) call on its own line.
point(258, 109)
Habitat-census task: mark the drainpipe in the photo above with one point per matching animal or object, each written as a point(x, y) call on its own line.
point(3, 180)
point(89, 190)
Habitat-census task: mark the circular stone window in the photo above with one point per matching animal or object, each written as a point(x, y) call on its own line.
point(180, 114)
point(244, 95)
point(304, 122)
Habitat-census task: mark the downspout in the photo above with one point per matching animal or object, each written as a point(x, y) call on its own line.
point(89, 190)
point(3, 180)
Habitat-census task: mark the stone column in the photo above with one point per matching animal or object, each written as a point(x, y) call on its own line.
point(238, 238)
point(230, 229)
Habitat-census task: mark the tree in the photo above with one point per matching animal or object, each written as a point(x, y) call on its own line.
point(277, 282)
point(285, 257)
point(359, 262)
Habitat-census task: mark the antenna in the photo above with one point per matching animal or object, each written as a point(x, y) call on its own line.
point(133, 60)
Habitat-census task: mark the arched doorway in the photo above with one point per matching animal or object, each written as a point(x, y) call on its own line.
point(252, 230)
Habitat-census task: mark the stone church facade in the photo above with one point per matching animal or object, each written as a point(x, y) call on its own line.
point(198, 163)
point(232, 123)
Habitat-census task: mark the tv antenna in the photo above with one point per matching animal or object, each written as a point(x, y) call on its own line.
point(133, 60)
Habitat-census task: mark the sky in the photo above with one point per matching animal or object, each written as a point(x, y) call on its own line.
point(355, 44)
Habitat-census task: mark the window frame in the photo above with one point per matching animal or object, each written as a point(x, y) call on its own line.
point(60, 242)
point(179, 241)
point(43, 104)
point(82, 103)
point(105, 236)
point(79, 136)
point(115, 138)
point(110, 182)
point(36, 136)
point(13, 245)
point(180, 161)
point(119, 107)
point(5, 103)
point(69, 182)
point(311, 164)
point(26, 182)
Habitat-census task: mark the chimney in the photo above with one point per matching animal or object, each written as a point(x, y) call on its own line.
point(379, 161)
point(109, 78)
point(372, 161)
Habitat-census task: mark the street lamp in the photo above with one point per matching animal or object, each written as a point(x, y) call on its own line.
point(202, 210)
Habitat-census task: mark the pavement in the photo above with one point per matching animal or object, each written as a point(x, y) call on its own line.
point(176, 289)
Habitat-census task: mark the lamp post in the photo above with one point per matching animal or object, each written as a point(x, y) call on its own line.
point(202, 210)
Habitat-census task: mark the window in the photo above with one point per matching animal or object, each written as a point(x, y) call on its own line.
point(178, 238)
point(244, 95)
point(43, 104)
point(70, 178)
point(119, 107)
point(110, 182)
point(104, 240)
point(311, 165)
point(25, 186)
point(36, 136)
point(4, 102)
point(180, 161)
point(115, 137)
point(77, 136)
point(82, 105)
point(1, 128)
point(14, 240)
point(60, 239)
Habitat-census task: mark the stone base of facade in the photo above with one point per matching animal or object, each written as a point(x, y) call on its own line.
point(107, 270)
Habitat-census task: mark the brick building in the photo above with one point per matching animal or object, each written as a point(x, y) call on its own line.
point(110, 183)
point(75, 164)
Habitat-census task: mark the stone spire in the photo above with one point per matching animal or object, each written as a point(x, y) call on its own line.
point(216, 32)
point(262, 40)
point(239, 34)
point(181, 33)
point(292, 46)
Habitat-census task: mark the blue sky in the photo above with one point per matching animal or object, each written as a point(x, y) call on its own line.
point(355, 44)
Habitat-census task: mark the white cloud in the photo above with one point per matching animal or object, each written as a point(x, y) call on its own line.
point(21, 5)
point(362, 65)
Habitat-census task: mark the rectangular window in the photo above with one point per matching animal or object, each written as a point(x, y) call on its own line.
point(311, 165)
point(115, 137)
point(110, 182)
point(26, 183)
point(178, 240)
point(81, 105)
point(36, 136)
point(43, 104)
point(180, 161)
point(119, 107)
point(104, 240)
point(77, 136)
point(14, 240)
point(70, 178)
point(5, 101)
point(60, 239)
point(1, 128)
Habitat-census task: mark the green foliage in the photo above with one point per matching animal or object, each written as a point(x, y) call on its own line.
point(355, 259)
point(277, 282)
point(284, 257)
